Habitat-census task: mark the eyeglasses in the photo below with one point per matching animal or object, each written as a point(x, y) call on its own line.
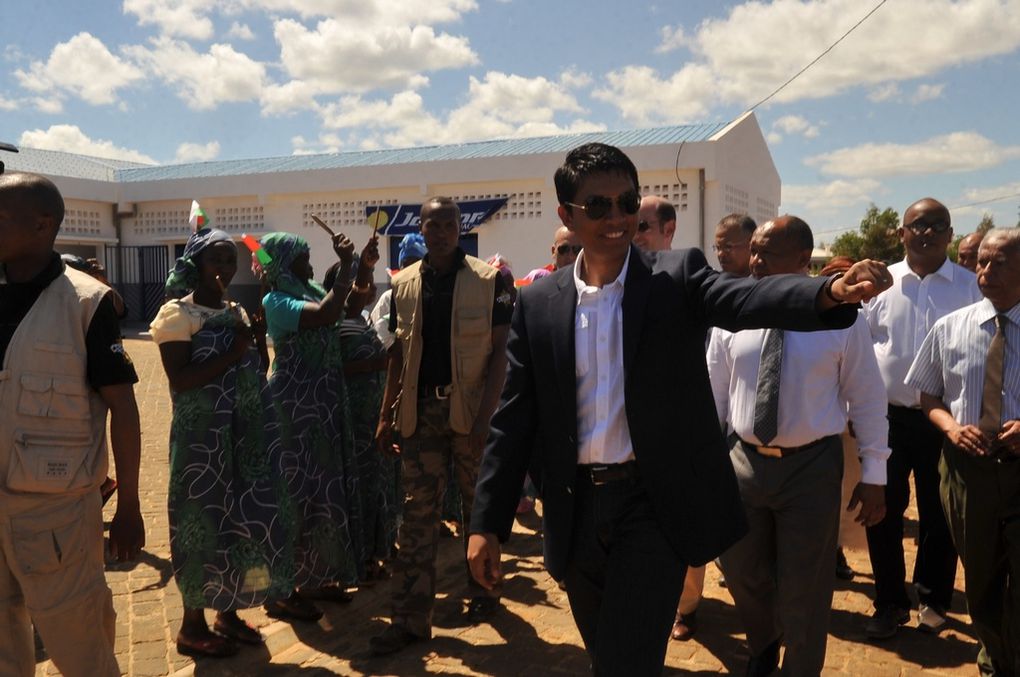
point(564, 248)
point(598, 206)
point(921, 225)
point(727, 248)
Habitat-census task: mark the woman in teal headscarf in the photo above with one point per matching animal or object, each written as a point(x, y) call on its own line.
point(229, 548)
point(308, 391)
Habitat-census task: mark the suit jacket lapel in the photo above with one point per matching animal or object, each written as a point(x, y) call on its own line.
point(562, 310)
point(635, 297)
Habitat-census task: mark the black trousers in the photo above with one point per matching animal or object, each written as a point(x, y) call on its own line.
point(916, 447)
point(623, 579)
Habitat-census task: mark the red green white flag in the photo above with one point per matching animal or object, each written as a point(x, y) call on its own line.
point(198, 219)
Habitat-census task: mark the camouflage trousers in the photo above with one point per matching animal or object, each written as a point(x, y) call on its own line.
point(425, 458)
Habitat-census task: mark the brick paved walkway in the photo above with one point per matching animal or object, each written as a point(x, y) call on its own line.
point(534, 634)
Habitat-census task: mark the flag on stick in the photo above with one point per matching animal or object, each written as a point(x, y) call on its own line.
point(198, 219)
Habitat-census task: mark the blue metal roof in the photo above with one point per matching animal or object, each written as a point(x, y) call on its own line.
point(462, 151)
point(56, 163)
point(59, 163)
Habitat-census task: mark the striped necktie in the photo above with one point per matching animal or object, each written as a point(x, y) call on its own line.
point(766, 402)
point(991, 395)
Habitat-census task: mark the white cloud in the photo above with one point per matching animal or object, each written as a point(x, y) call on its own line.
point(956, 152)
point(828, 198)
point(70, 139)
point(289, 97)
point(9, 104)
point(887, 92)
point(240, 31)
point(326, 143)
point(343, 56)
point(197, 152)
point(181, 18)
point(203, 81)
point(53, 105)
point(742, 57)
point(572, 78)
point(789, 125)
point(83, 67)
point(673, 38)
point(500, 105)
point(369, 13)
point(927, 93)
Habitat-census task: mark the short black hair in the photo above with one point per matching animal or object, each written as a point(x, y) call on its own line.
point(440, 202)
point(665, 212)
point(591, 158)
point(32, 194)
point(745, 222)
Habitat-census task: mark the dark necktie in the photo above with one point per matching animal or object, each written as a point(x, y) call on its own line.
point(991, 395)
point(766, 403)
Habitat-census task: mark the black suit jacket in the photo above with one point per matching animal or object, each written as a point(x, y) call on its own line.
point(670, 299)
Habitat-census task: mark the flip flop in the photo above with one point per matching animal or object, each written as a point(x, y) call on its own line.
point(213, 646)
point(293, 608)
point(239, 631)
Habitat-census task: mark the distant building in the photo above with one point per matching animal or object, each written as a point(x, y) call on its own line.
point(135, 217)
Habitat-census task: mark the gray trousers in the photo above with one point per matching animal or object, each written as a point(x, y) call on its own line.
point(781, 573)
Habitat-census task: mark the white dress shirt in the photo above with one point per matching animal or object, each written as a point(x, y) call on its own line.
point(951, 363)
point(902, 316)
point(603, 435)
point(824, 375)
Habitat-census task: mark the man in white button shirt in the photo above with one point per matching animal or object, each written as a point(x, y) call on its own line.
point(780, 573)
point(968, 372)
point(926, 286)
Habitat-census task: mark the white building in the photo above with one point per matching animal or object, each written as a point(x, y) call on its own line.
point(135, 217)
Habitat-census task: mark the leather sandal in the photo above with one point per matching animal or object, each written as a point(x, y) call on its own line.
point(685, 626)
point(238, 630)
point(293, 608)
point(212, 646)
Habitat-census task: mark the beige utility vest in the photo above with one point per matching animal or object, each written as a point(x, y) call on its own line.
point(470, 341)
point(52, 423)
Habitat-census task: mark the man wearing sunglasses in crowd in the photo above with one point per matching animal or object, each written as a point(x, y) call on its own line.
point(926, 286)
point(656, 224)
point(607, 399)
point(565, 249)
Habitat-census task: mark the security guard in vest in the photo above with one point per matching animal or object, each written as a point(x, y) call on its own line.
point(63, 369)
point(451, 315)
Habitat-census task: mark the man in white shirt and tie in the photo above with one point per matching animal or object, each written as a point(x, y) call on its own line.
point(926, 287)
point(968, 372)
point(787, 396)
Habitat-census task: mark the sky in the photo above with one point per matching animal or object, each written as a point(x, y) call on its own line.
point(921, 99)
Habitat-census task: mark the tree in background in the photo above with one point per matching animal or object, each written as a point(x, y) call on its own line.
point(984, 225)
point(877, 238)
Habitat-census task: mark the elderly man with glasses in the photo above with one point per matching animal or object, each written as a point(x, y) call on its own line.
point(656, 224)
point(926, 287)
point(732, 244)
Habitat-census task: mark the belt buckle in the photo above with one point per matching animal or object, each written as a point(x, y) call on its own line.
point(597, 469)
point(442, 393)
point(771, 452)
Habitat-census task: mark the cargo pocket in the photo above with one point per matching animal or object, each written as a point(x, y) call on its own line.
point(70, 400)
point(36, 393)
point(47, 543)
point(49, 462)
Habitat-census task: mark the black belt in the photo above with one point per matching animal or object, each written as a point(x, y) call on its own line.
point(604, 474)
point(438, 392)
point(783, 452)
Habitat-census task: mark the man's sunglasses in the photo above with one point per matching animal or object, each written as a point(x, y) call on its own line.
point(919, 226)
point(564, 248)
point(598, 206)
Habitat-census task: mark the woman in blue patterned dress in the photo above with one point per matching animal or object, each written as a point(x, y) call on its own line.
point(310, 398)
point(231, 518)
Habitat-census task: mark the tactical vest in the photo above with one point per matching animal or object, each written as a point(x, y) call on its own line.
point(52, 423)
point(470, 341)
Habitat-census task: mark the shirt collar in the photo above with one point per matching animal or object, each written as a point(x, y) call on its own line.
point(583, 286)
point(458, 262)
point(946, 270)
point(987, 312)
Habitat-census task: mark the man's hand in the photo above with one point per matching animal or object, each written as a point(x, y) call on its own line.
point(969, 438)
point(344, 249)
point(478, 435)
point(1009, 437)
point(384, 437)
point(871, 498)
point(127, 530)
point(483, 559)
point(864, 281)
point(370, 254)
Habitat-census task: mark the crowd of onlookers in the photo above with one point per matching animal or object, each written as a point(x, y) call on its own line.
point(380, 421)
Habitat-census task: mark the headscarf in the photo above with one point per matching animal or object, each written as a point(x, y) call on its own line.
point(502, 264)
point(536, 274)
point(184, 276)
point(285, 248)
point(412, 246)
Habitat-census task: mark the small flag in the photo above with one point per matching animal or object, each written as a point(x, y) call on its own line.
point(253, 245)
point(198, 219)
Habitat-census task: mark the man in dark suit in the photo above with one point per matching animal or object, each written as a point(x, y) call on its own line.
point(601, 354)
